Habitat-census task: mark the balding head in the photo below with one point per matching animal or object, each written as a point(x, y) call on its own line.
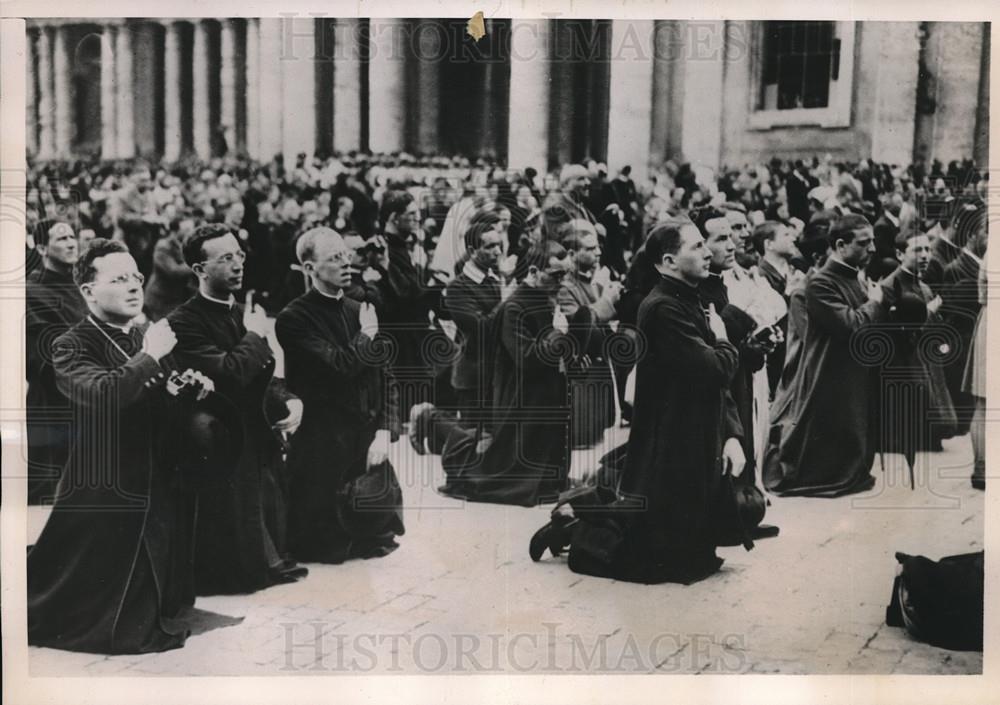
point(313, 241)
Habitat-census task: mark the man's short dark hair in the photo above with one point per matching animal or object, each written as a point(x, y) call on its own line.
point(905, 235)
point(41, 232)
point(539, 253)
point(480, 224)
point(194, 251)
point(664, 239)
point(394, 202)
point(847, 227)
point(84, 270)
point(765, 232)
point(702, 216)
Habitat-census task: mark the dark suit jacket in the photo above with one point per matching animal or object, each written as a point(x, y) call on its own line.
point(473, 307)
point(885, 247)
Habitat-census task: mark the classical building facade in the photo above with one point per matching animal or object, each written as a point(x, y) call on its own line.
point(531, 92)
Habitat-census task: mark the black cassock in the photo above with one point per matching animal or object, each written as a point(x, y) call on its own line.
point(915, 408)
point(242, 521)
point(348, 395)
point(823, 435)
point(683, 415)
point(113, 562)
point(53, 304)
point(528, 459)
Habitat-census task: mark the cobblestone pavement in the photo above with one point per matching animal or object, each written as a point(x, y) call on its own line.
point(461, 594)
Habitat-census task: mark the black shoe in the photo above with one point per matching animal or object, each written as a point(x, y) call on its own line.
point(417, 428)
point(554, 536)
point(764, 531)
point(979, 483)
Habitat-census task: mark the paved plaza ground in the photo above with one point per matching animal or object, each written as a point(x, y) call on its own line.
point(461, 594)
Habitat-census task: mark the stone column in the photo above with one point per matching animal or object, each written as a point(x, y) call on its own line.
point(123, 103)
point(46, 101)
point(253, 94)
point(270, 86)
point(528, 132)
point(227, 83)
point(31, 108)
point(429, 47)
point(109, 112)
point(386, 85)
point(958, 48)
point(171, 92)
point(897, 67)
point(200, 101)
point(346, 85)
point(298, 70)
point(701, 128)
point(62, 93)
point(631, 96)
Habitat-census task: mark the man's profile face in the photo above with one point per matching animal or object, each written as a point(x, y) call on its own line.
point(331, 261)
point(860, 249)
point(488, 253)
point(116, 290)
point(693, 257)
point(783, 243)
point(406, 222)
point(63, 247)
point(720, 243)
point(223, 265)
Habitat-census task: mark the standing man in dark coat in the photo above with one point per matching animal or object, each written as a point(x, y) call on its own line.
point(52, 305)
point(959, 310)
point(775, 243)
point(589, 307)
point(526, 459)
point(112, 564)
point(473, 300)
point(827, 440)
point(240, 537)
point(405, 298)
point(172, 282)
point(915, 410)
point(886, 230)
point(337, 367)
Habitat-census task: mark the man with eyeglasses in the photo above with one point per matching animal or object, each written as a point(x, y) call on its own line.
point(240, 534)
point(335, 362)
point(52, 305)
point(112, 565)
point(525, 458)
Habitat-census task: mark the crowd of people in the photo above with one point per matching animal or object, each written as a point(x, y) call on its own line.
point(770, 329)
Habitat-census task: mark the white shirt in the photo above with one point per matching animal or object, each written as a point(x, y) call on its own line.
point(473, 272)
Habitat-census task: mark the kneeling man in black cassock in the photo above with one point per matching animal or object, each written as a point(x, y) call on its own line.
point(823, 444)
point(112, 565)
point(241, 525)
point(524, 458)
point(662, 523)
point(344, 498)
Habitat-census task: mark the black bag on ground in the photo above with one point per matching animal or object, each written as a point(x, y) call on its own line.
point(371, 505)
point(940, 602)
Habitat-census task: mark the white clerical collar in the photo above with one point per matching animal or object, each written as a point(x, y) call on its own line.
point(127, 328)
point(477, 275)
point(228, 302)
point(339, 295)
point(891, 218)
